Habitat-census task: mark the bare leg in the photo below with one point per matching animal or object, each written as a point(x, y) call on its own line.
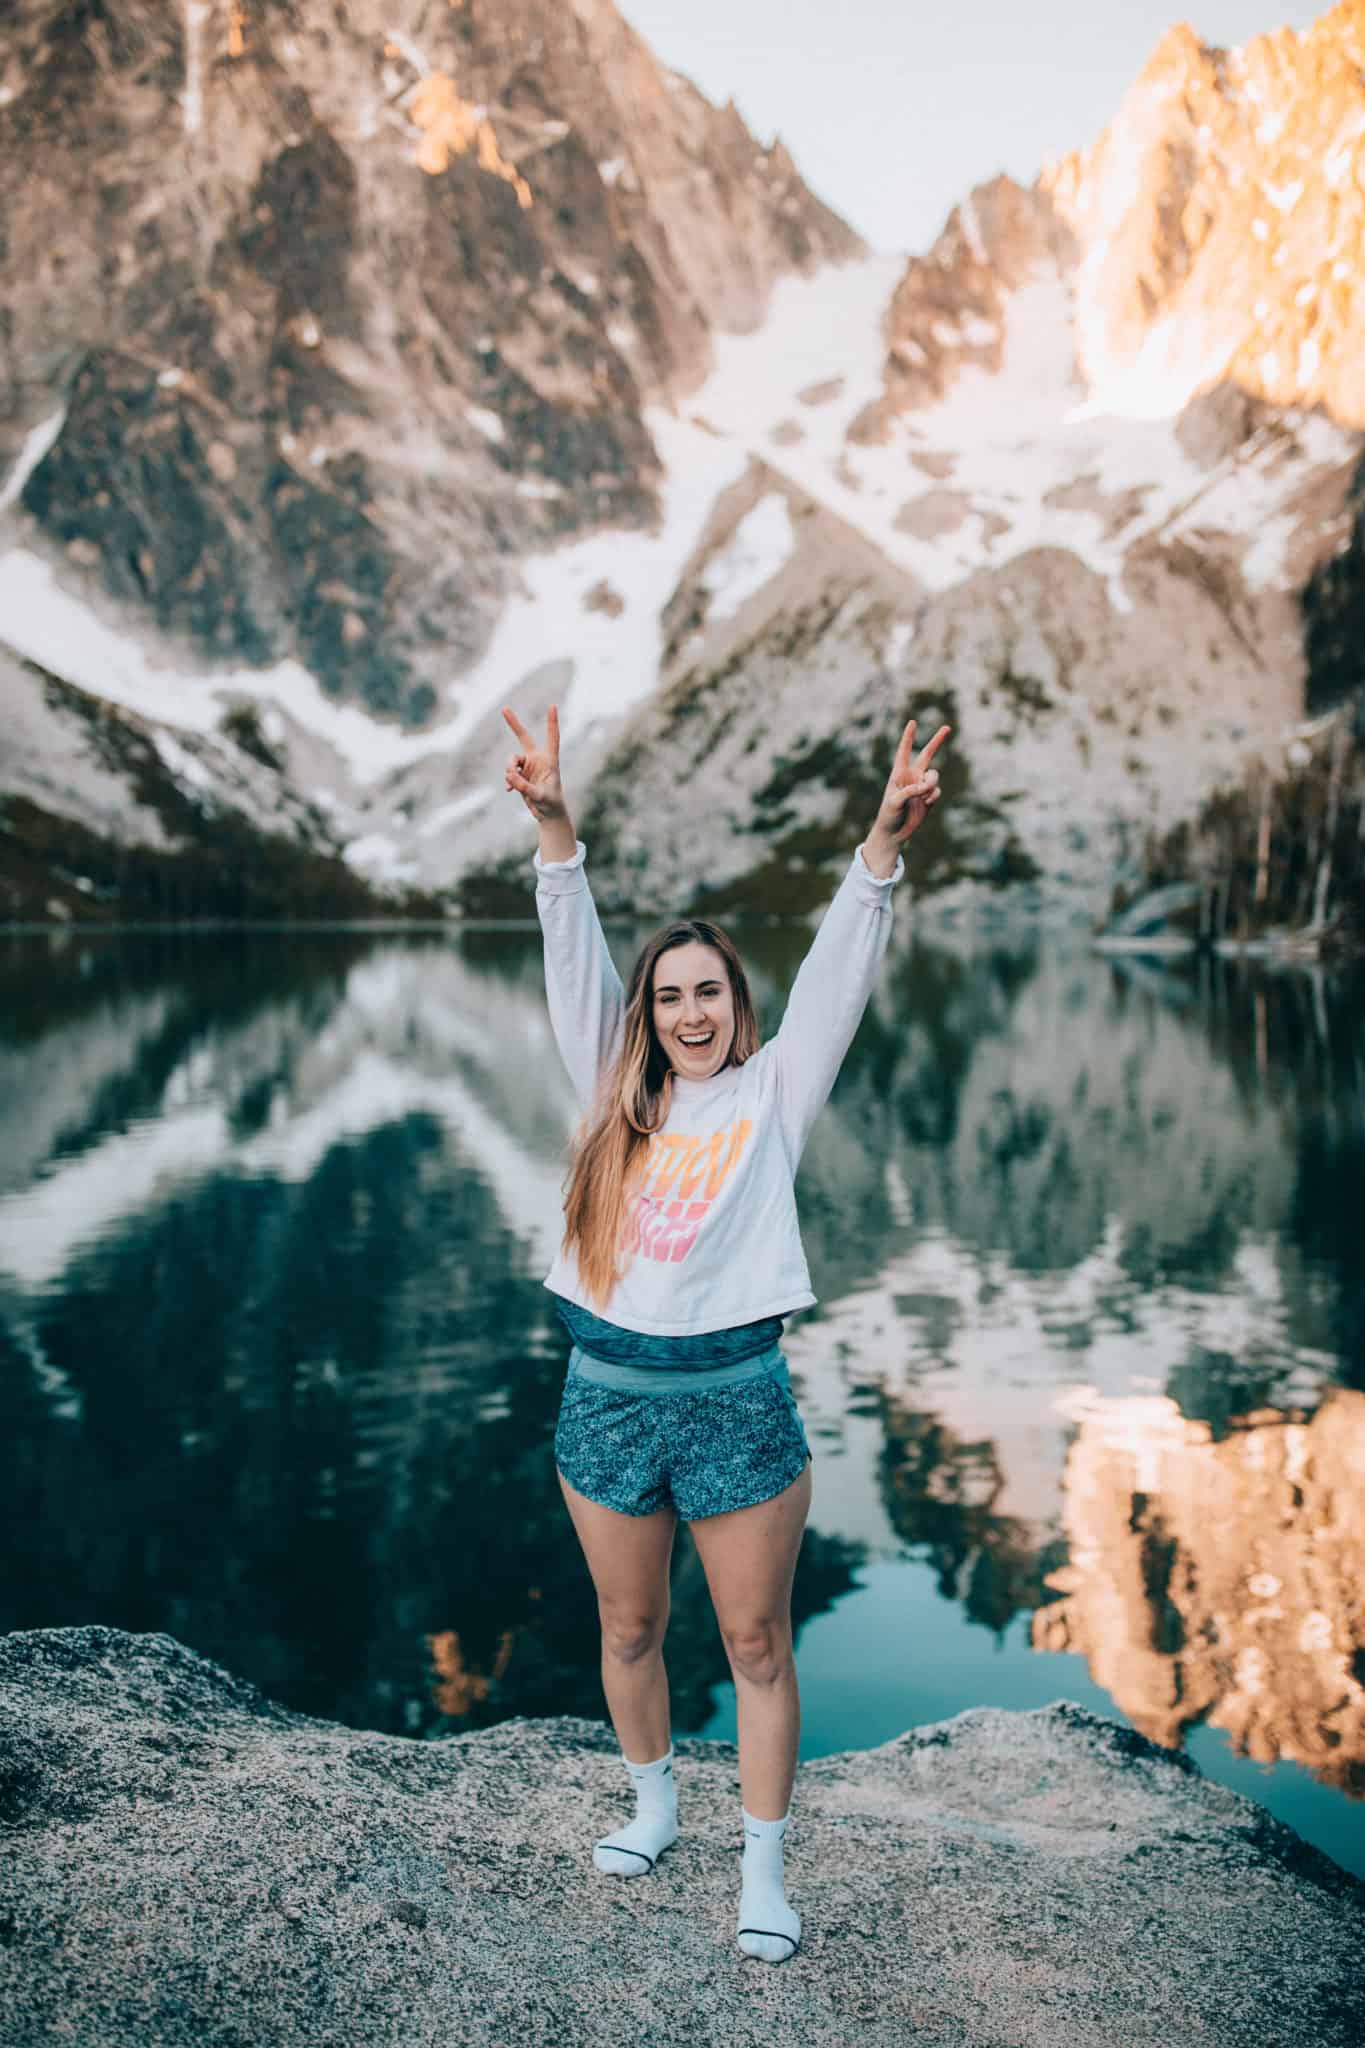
point(628, 1558)
point(749, 1557)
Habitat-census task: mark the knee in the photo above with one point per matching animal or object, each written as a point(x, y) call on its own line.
point(759, 1651)
point(627, 1636)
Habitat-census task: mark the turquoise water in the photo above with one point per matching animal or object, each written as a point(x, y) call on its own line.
point(278, 1376)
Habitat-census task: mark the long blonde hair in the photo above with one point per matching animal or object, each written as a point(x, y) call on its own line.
point(633, 1104)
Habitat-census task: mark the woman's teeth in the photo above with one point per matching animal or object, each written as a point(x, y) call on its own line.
point(705, 1038)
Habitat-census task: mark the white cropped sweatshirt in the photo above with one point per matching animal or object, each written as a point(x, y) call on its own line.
point(711, 1236)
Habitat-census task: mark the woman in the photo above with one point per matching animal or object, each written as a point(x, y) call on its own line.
point(681, 1256)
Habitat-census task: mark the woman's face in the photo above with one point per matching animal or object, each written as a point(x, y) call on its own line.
point(693, 1009)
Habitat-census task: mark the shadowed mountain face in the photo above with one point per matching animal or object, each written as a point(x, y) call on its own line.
point(316, 286)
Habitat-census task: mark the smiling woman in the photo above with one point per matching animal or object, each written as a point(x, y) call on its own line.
point(681, 1256)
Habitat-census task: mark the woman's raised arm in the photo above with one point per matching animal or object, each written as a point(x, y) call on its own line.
point(837, 975)
point(586, 999)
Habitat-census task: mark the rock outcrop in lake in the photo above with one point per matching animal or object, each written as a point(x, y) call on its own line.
point(186, 1862)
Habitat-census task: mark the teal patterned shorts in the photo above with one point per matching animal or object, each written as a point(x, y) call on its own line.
point(730, 1438)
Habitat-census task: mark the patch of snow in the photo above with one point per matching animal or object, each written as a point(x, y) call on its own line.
point(1270, 129)
point(184, 766)
point(1260, 229)
point(898, 642)
point(36, 445)
point(971, 230)
point(406, 47)
point(1177, 358)
point(1263, 564)
point(451, 813)
point(752, 556)
point(610, 171)
point(538, 487)
point(1310, 354)
point(620, 334)
point(378, 858)
point(1284, 197)
point(945, 333)
point(488, 423)
point(980, 333)
point(41, 621)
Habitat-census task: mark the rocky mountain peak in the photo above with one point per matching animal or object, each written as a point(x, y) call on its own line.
point(948, 311)
point(343, 310)
point(1221, 217)
point(1213, 234)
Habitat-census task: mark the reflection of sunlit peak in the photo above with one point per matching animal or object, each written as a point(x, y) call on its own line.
point(1145, 1427)
point(1227, 1594)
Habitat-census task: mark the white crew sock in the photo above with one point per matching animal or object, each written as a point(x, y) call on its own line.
point(634, 1850)
point(767, 1927)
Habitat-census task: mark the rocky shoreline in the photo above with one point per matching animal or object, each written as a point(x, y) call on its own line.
point(187, 1862)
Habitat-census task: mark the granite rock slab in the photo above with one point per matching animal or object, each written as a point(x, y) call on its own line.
point(183, 1861)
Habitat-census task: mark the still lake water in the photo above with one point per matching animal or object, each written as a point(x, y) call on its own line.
point(1086, 1385)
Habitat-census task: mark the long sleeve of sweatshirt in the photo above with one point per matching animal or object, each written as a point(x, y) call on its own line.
point(829, 995)
point(586, 999)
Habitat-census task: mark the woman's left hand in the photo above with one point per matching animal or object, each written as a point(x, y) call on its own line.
point(913, 788)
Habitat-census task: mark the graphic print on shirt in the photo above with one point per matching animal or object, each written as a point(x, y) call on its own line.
point(680, 1179)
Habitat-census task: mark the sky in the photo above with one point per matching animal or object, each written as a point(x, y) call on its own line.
point(894, 109)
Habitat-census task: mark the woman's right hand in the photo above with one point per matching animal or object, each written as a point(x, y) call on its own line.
point(533, 772)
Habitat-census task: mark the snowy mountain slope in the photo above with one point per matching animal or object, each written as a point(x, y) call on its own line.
point(1103, 606)
point(105, 814)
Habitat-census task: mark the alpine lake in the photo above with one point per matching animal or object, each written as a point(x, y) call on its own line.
point(1085, 1385)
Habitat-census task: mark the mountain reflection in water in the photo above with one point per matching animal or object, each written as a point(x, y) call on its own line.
point(278, 1376)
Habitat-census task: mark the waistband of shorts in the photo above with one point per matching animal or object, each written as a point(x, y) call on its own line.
point(665, 1379)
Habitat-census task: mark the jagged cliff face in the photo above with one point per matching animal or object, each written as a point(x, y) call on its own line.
point(349, 308)
point(1222, 218)
point(1212, 236)
point(419, 357)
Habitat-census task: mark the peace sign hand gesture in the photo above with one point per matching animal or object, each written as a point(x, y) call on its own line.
point(910, 794)
point(533, 773)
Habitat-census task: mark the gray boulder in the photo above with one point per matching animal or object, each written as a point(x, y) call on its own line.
point(184, 1861)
